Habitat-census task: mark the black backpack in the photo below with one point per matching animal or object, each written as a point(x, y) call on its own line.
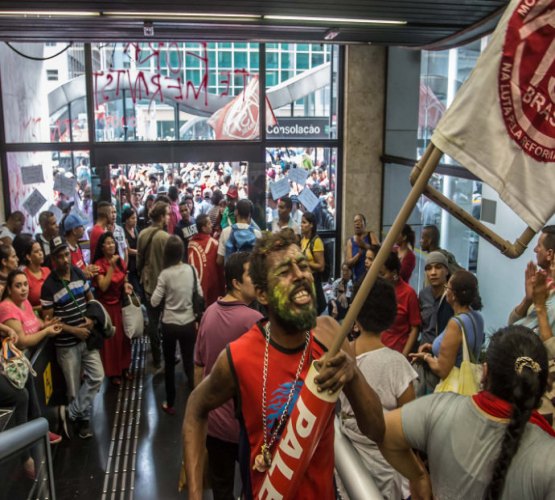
point(327, 273)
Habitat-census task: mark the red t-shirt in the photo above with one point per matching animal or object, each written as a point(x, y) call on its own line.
point(407, 265)
point(408, 315)
point(29, 322)
point(96, 233)
point(35, 284)
point(77, 257)
point(246, 356)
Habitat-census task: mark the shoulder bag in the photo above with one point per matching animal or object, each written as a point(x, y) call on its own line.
point(198, 299)
point(14, 364)
point(132, 314)
point(466, 379)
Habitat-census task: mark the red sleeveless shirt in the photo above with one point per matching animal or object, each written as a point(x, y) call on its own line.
point(246, 357)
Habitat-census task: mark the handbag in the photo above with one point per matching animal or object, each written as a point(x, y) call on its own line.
point(132, 314)
point(15, 365)
point(466, 379)
point(198, 299)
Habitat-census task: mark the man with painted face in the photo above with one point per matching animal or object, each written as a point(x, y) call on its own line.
point(265, 369)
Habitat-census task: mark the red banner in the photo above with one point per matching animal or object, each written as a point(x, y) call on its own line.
point(240, 118)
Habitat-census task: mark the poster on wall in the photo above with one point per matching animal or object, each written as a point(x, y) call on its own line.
point(32, 175)
point(34, 202)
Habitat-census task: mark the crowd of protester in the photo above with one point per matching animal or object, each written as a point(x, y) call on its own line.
point(169, 240)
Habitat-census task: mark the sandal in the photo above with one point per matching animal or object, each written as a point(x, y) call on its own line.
point(115, 381)
point(170, 410)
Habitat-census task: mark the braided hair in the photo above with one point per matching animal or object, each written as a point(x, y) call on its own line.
point(523, 388)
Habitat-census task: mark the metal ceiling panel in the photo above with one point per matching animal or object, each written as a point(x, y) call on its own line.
point(429, 23)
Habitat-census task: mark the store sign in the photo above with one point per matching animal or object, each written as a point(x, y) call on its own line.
point(306, 127)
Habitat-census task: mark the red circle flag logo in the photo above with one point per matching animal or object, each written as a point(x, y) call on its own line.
point(527, 78)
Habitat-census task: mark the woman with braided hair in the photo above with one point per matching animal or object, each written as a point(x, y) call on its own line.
point(491, 445)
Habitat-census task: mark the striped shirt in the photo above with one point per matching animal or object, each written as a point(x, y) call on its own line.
point(69, 307)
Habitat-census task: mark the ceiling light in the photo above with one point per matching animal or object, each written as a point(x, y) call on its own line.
point(341, 20)
point(331, 34)
point(49, 13)
point(183, 15)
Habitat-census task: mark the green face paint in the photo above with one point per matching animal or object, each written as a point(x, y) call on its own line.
point(292, 316)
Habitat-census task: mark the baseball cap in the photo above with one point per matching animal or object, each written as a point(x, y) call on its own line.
point(436, 258)
point(232, 192)
point(72, 221)
point(57, 244)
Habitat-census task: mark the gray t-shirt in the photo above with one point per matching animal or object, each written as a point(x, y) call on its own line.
point(462, 445)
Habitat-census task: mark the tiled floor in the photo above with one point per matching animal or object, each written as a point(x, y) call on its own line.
point(83, 469)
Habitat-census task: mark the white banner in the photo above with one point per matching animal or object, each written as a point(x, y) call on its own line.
point(501, 125)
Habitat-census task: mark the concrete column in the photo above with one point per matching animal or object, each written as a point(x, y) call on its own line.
point(364, 90)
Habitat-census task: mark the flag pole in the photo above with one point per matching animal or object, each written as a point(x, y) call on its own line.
point(511, 250)
point(313, 410)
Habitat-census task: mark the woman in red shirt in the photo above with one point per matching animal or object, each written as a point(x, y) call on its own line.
point(31, 256)
point(111, 282)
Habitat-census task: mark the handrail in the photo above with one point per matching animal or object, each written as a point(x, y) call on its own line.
point(23, 436)
point(353, 474)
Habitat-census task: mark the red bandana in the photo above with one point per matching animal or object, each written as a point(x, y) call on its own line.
point(497, 407)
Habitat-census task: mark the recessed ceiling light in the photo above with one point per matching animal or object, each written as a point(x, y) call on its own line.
point(343, 20)
point(49, 13)
point(182, 15)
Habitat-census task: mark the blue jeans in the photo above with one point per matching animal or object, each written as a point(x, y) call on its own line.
point(74, 360)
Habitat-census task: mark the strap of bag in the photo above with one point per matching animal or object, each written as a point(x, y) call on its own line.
point(8, 345)
point(147, 247)
point(194, 279)
point(466, 353)
point(72, 296)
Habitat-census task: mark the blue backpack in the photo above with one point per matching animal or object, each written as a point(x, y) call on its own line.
point(240, 240)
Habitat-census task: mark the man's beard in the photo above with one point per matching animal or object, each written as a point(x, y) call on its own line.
point(302, 318)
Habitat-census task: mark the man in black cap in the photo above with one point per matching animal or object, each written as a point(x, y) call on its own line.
point(65, 294)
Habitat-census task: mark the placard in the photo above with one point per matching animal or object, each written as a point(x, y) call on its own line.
point(57, 212)
point(280, 188)
point(34, 203)
point(65, 185)
point(298, 175)
point(308, 199)
point(32, 174)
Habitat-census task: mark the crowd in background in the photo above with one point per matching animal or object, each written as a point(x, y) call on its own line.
point(169, 236)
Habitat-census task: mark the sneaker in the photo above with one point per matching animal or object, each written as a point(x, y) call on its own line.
point(54, 438)
point(85, 431)
point(64, 419)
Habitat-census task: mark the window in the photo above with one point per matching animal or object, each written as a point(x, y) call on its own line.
point(52, 75)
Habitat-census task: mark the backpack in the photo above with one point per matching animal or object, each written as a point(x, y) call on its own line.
point(327, 273)
point(240, 240)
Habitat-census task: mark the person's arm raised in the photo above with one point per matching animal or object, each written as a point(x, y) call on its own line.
point(212, 392)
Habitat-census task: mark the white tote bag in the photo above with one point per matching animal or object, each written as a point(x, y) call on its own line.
point(133, 321)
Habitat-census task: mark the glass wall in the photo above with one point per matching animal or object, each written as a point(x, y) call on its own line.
point(301, 87)
point(177, 104)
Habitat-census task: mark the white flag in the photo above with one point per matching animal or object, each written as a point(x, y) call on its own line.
point(501, 125)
